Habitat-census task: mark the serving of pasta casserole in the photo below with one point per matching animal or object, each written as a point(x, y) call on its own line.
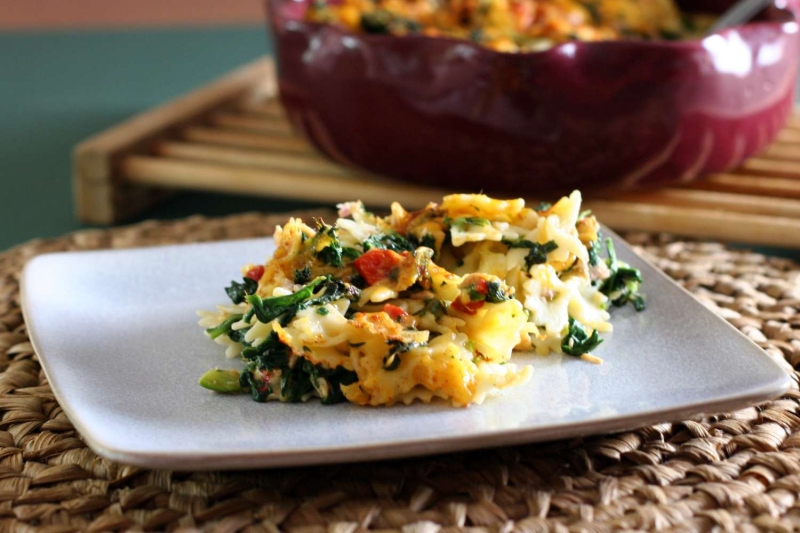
point(418, 305)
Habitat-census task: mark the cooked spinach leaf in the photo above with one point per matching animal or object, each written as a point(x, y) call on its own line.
point(295, 384)
point(495, 293)
point(268, 309)
point(427, 240)
point(464, 223)
point(328, 382)
point(388, 241)
point(623, 283)
point(286, 307)
point(237, 335)
point(333, 289)
point(384, 22)
point(377, 21)
point(330, 252)
point(350, 253)
point(537, 253)
point(238, 291)
point(492, 292)
point(392, 360)
point(259, 390)
point(302, 275)
point(433, 306)
point(594, 251)
point(577, 341)
point(223, 328)
point(271, 354)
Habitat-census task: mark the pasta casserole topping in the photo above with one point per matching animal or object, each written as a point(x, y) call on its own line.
point(514, 25)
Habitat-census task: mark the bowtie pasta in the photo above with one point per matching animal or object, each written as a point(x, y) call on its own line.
point(418, 305)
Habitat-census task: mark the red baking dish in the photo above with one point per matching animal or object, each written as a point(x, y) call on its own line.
point(593, 115)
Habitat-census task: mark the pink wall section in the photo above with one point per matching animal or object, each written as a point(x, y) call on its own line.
point(49, 14)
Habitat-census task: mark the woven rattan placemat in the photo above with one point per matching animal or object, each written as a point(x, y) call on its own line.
point(734, 472)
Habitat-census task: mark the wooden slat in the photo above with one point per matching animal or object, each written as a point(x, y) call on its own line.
point(233, 156)
point(749, 185)
point(706, 223)
point(240, 139)
point(270, 108)
point(793, 121)
point(758, 166)
point(192, 175)
point(782, 152)
point(252, 123)
point(789, 136)
point(714, 200)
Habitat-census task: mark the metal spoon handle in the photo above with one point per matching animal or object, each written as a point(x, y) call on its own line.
point(739, 13)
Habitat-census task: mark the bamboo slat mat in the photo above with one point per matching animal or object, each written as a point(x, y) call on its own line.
point(232, 137)
point(731, 472)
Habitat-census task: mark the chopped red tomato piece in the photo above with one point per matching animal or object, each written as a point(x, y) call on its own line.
point(469, 308)
point(397, 313)
point(264, 387)
point(525, 13)
point(255, 273)
point(376, 264)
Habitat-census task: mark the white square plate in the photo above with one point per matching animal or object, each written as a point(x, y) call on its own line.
point(117, 336)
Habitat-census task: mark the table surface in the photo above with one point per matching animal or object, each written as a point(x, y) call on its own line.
point(60, 87)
